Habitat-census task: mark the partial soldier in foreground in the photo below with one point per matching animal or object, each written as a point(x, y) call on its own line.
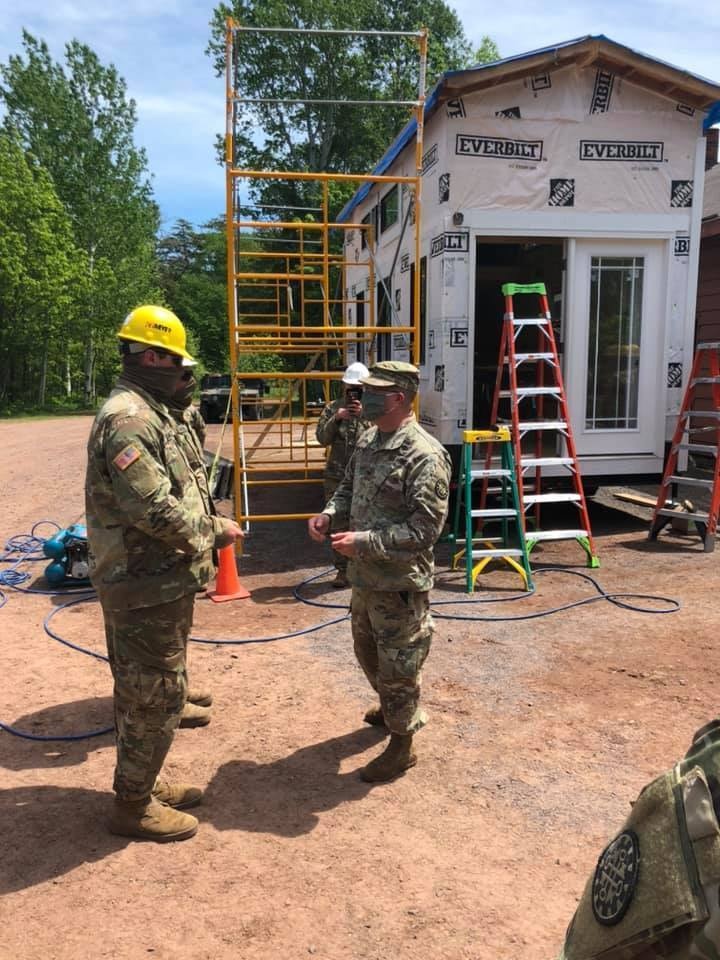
point(340, 426)
point(655, 892)
point(391, 505)
point(191, 440)
point(151, 537)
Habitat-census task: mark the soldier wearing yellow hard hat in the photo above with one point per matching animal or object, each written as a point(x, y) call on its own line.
point(151, 535)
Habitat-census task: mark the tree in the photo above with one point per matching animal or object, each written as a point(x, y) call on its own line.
point(487, 52)
point(41, 273)
point(78, 123)
point(335, 138)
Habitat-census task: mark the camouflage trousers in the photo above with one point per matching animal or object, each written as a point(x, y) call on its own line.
point(330, 485)
point(391, 636)
point(147, 649)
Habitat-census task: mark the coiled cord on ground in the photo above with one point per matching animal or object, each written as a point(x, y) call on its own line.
point(28, 547)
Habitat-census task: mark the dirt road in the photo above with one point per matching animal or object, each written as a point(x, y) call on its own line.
point(541, 732)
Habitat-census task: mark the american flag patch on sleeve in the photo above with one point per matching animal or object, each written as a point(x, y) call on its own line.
point(127, 456)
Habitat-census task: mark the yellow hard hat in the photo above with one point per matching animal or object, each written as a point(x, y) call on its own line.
point(155, 327)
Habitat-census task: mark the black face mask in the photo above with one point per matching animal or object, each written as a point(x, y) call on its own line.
point(160, 382)
point(183, 396)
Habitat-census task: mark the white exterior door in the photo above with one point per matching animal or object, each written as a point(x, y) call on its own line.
point(614, 337)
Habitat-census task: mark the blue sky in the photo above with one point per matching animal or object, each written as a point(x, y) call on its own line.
point(158, 47)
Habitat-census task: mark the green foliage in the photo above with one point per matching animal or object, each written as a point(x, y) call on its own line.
point(76, 123)
point(487, 52)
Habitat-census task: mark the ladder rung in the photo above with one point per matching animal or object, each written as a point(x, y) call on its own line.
point(543, 425)
point(522, 357)
point(532, 392)
point(705, 380)
point(710, 414)
point(552, 498)
point(555, 534)
point(682, 515)
point(491, 472)
point(534, 321)
point(546, 462)
point(493, 513)
point(697, 448)
point(496, 553)
point(709, 345)
point(689, 481)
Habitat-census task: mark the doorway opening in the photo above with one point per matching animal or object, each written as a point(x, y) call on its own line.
point(500, 260)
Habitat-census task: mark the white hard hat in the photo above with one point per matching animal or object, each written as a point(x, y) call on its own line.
point(355, 373)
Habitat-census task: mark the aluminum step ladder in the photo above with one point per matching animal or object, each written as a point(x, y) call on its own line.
point(541, 431)
point(698, 421)
point(481, 549)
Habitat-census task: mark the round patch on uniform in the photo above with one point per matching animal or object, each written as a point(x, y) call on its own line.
point(616, 877)
point(441, 489)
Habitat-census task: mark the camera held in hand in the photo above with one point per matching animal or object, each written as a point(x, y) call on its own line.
point(353, 394)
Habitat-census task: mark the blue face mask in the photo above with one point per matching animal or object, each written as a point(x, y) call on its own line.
point(373, 404)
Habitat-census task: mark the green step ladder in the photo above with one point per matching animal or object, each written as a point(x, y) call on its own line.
point(480, 550)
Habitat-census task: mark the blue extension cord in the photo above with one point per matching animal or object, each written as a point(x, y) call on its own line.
point(24, 548)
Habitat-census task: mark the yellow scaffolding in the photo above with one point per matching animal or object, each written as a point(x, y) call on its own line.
point(280, 276)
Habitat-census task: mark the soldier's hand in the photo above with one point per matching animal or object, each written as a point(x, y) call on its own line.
point(234, 530)
point(318, 527)
point(344, 543)
point(342, 413)
point(354, 408)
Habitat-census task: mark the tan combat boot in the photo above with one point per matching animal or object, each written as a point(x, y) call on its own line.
point(179, 796)
point(201, 698)
point(151, 820)
point(194, 716)
point(397, 757)
point(375, 717)
point(341, 581)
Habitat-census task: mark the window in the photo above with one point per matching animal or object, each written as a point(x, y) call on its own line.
point(371, 220)
point(360, 323)
point(422, 332)
point(389, 209)
point(616, 293)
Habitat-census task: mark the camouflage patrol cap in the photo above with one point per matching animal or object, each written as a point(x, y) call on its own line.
point(393, 373)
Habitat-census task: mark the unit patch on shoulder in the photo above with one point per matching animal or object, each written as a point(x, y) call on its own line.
point(616, 877)
point(126, 457)
point(441, 489)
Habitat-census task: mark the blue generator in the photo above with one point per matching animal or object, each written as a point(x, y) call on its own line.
point(68, 550)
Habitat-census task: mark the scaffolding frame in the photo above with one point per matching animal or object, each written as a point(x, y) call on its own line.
point(281, 262)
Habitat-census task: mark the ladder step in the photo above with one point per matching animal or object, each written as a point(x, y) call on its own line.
point(682, 515)
point(690, 482)
point(710, 414)
point(532, 392)
point(494, 513)
point(534, 321)
point(482, 474)
point(538, 535)
point(547, 462)
point(543, 425)
point(697, 448)
point(476, 554)
point(552, 498)
point(709, 345)
point(705, 380)
point(523, 357)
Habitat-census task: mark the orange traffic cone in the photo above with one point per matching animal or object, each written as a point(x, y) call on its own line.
point(227, 585)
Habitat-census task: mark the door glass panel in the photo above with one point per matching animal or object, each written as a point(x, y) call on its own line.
point(616, 293)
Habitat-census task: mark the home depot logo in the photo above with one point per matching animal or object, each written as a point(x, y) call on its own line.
point(602, 92)
point(498, 148)
point(633, 151)
point(681, 193)
point(562, 193)
point(430, 158)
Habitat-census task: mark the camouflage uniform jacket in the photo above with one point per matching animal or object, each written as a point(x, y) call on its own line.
point(341, 436)
point(191, 439)
point(395, 494)
point(150, 534)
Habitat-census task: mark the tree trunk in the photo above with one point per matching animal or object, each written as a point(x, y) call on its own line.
point(68, 378)
point(42, 389)
point(89, 391)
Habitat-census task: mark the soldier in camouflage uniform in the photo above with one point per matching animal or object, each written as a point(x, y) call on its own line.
point(393, 501)
point(150, 537)
point(655, 892)
point(340, 426)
